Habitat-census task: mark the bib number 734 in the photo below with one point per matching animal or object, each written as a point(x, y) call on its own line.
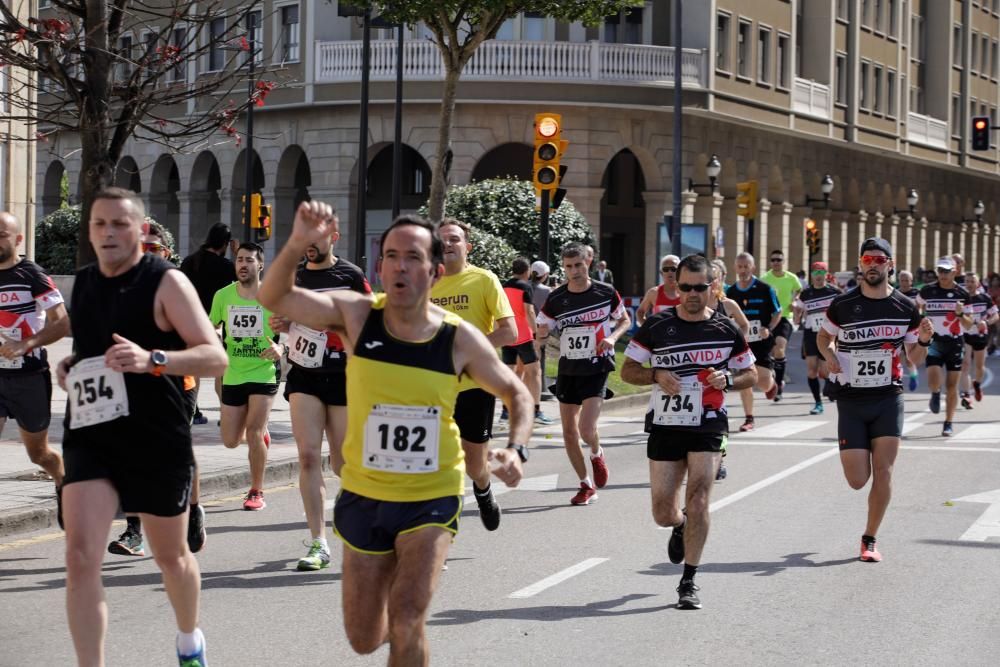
point(681, 409)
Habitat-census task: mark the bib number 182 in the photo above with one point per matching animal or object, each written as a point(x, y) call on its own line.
point(403, 438)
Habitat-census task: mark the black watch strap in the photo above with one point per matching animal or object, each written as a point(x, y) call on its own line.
point(522, 451)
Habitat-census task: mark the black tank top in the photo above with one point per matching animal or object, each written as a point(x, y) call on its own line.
point(124, 305)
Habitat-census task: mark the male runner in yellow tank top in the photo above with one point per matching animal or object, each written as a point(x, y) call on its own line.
point(403, 473)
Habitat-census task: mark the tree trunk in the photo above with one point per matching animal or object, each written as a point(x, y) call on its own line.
point(439, 181)
point(97, 171)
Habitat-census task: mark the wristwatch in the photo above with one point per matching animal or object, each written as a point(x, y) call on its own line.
point(729, 379)
point(923, 344)
point(522, 451)
point(159, 359)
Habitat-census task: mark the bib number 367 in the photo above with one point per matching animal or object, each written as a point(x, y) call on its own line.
point(402, 438)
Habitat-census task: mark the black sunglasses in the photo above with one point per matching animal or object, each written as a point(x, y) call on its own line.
point(668, 269)
point(777, 259)
point(684, 287)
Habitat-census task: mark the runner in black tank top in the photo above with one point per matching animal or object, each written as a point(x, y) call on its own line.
point(138, 328)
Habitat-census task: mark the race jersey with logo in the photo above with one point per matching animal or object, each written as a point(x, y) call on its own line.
point(982, 308)
point(785, 286)
point(814, 303)
point(323, 351)
point(938, 304)
point(911, 293)
point(664, 300)
point(583, 320)
point(690, 349)
point(26, 292)
point(520, 292)
point(759, 303)
point(245, 334)
point(870, 334)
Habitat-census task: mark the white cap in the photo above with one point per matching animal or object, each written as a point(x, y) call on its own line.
point(540, 268)
point(946, 263)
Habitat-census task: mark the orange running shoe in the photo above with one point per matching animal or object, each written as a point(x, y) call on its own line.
point(869, 553)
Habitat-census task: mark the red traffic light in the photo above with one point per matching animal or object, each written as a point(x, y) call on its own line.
point(548, 126)
point(980, 124)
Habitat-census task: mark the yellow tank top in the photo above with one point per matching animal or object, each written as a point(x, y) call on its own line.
point(402, 443)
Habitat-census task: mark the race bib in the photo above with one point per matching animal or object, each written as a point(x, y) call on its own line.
point(246, 321)
point(13, 335)
point(578, 343)
point(402, 438)
point(871, 368)
point(753, 335)
point(306, 346)
point(96, 393)
point(815, 321)
point(683, 409)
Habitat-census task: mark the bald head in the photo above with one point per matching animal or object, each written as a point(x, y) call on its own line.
point(10, 222)
point(10, 239)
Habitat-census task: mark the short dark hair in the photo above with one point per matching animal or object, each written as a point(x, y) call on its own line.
point(156, 229)
point(519, 265)
point(695, 264)
point(779, 251)
point(218, 236)
point(437, 245)
point(464, 226)
point(573, 249)
point(256, 248)
point(123, 194)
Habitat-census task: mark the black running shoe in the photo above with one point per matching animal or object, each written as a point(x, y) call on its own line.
point(935, 403)
point(196, 529)
point(489, 510)
point(688, 595)
point(675, 546)
point(947, 431)
point(59, 518)
point(721, 473)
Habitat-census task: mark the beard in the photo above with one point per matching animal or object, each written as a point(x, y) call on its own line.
point(5, 254)
point(875, 281)
point(317, 256)
point(246, 279)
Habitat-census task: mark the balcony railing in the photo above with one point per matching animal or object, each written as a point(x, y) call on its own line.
point(811, 98)
point(926, 130)
point(516, 61)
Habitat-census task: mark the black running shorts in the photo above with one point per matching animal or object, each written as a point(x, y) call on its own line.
point(27, 399)
point(809, 343)
point(977, 341)
point(762, 352)
point(784, 329)
point(674, 445)
point(946, 351)
point(238, 395)
point(575, 389)
point(525, 352)
point(474, 415)
point(330, 388)
point(861, 420)
point(372, 526)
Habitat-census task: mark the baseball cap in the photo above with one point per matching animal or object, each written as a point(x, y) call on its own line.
point(539, 268)
point(818, 266)
point(875, 243)
point(945, 263)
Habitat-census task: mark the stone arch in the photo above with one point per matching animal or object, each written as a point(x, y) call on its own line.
point(291, 188)
point(204, 189)
point(164, 184)
point(885, 200)
point(797, 187)
point(622, 241)
point(513, 159)
point(775, 191)
point(52, 196)
point(852, 201)
point(127, 174)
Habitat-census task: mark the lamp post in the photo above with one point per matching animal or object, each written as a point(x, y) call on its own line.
point(912, 198)
point(826, 187)
point(252, 28)
point(713, 169)
point(978, 211)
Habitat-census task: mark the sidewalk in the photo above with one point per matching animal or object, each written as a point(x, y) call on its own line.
point(27, 504)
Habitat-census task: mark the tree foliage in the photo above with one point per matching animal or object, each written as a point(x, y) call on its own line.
point(72, 70)
point(459, 27)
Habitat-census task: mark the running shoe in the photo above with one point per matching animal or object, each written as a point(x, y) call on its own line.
point(196, 529)
point(688, 595)
point(935, 404)
point(780, 395)
point(817, 409)
point(128, 543)
point(542, 420)
point(584, 496)
point(504, 416)
point(721, 473)
point(966, 403)
point(977, 391)
point(947, 431)
point(199, 419)
point(747, 425)
point(600, 470)
point(869, 553)
point(675, 545)
point(254, 501)
point(196, 660)
point(59, 518)
point(489, 509)
point(317, 558)
point(772, 392)
point(913, 380)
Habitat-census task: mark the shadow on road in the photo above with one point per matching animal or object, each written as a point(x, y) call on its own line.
point(605, 608)
point(761, 568)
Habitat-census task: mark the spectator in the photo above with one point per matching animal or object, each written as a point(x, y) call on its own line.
point(603, 274)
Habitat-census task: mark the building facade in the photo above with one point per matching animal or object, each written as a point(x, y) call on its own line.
point(17, 147)
point(876, 93)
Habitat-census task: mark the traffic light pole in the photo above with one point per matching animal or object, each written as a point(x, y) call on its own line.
point(543, 237)
point(248, 163)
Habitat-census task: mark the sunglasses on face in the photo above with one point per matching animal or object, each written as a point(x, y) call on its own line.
point(668, 269)
point(878, 260)
point(152, 247)
point(777, 259)
point(684, 287)
point(943, 270)
point(819, 273)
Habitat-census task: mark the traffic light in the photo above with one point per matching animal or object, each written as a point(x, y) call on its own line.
point(549, 147)
point(813, 240)
point(262, 224)
point(746, 199)
point(255, 202)
point(980, 133)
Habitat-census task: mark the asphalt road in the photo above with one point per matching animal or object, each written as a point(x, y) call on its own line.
point(564, 585)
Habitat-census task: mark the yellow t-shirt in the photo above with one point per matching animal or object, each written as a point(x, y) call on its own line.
point(475, 295)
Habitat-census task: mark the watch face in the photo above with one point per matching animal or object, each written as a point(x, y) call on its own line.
point(159, 358)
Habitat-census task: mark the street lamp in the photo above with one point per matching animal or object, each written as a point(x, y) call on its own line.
point(826, 187)
point(978, 211)
point(713, 169)
point(912, 198)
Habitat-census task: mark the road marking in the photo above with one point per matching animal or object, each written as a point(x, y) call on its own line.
point(816, 443)
point(786, 428)
point(541, 483)
point(978, 432)
point(557, 578)
point(987, 379)
point(914, 422)
point(768, 481)
point(988, 524)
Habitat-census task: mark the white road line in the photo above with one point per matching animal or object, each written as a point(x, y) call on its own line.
point(786, 428)
point(914, 422)
point(978, 432)
point(541, 483)
point(768, 481)
point(557, 578)
point(808, 443)
point(987, 379)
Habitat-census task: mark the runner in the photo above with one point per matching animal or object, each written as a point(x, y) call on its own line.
point(663, 296)
point(522, 357)
point(137, 329)
point(984, 315)
point(315, 388)
point(590, 318)
point(402, 458)
point(475, 295)
point(944, 304)
point(540, 292)
point(696, 355)
point(810, 313)
point(251, 380)
point(760, 304)
point(861, 339)
point(910, 291)
point(32, 315)
point(787, 287)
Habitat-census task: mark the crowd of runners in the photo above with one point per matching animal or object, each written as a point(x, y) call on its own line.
point(403, 384)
